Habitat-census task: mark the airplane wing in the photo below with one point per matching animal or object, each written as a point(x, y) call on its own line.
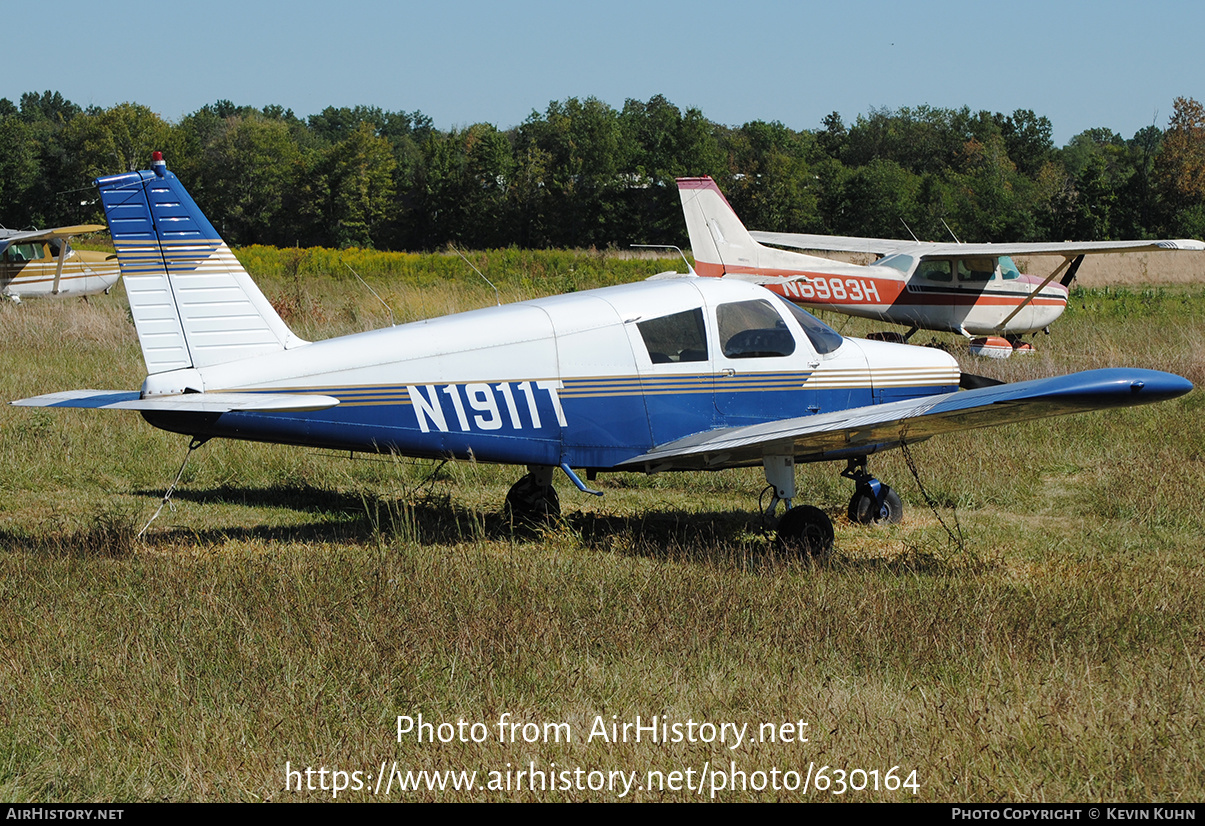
point(865, 429)
point(183, 403)
point(884, 246)
point(30, 236)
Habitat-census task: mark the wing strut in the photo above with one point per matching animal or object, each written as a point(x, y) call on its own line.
point(1067, 279)
point(58, 269)
point(1073, 262)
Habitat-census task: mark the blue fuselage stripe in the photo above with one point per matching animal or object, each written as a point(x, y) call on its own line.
point(499, 422)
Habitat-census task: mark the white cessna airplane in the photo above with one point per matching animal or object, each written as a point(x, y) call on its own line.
point(971, 289)
point(677, 374)
point(41, 262)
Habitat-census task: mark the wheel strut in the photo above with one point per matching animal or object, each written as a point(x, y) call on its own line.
point(780, 473)
point(872, 502)
point(855, 470)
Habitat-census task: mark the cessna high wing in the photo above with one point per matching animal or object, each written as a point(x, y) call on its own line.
point(971, 289)
point(42, 262)
point(682, 373)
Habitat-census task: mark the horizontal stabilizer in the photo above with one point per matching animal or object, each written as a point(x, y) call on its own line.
point(183, 403)
point(888, 425)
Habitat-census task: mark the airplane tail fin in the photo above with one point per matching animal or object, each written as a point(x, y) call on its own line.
point(193, 303)
point(718, 240)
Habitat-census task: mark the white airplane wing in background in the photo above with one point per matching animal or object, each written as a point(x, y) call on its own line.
point(35, 235)
point(887, 246)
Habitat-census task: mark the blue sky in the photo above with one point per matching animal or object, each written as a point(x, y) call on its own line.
point(1107, 63)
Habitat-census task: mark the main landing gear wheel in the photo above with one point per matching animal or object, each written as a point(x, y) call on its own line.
point(529, 502)
point(806, 531)
point(866, 510)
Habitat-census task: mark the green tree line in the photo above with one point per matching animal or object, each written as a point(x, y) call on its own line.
point(583, 173)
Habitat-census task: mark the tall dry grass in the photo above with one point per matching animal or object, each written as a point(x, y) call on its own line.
point(295, 603)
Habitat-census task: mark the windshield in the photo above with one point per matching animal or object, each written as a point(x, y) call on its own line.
point(823, 337)
point(899, 261)
point(1007, 268)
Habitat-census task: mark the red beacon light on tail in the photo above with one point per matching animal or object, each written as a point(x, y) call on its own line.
point(158, 164)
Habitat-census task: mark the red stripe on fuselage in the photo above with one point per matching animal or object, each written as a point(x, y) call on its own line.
point(825, 290)
point(818, 289)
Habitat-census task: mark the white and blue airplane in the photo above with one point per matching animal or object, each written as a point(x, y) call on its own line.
point(683, 373)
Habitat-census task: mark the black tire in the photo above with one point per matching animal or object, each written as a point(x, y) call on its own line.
point(806, 531)
point(528, 502)
point(864, 510)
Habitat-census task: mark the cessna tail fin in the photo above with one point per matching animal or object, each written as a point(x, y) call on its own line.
point(193, 303)
point(718, 240)
point(722, 246)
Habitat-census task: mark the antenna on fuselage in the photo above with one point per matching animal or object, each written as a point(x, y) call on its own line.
point(910, 232)
point(392, 323)
point(957, 240)
point(497, 295)
point(689, 268)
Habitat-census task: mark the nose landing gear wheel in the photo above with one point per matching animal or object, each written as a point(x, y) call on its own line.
point(865, 509)
point(806, 531)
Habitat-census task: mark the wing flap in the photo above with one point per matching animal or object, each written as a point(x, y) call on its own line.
point(183, 403)
point(877, 427)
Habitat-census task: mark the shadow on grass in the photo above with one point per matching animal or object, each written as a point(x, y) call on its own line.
point(110, 534)
point(291, 497)
point(737, 538)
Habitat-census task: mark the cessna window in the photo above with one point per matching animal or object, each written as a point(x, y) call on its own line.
point(899, 261)
point(823, 337)
point(935, 271)
point(20, 253)
point(753, 329)
point(976, 269)
point(675, 338)
point(1008, 269)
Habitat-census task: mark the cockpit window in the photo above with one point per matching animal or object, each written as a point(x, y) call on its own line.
point(753, 329)
point(976, 269)
point(932, 270)
point(1008, 269)
point(823, 337)
point(21, 253)
point(675, 338)
point(899, 261)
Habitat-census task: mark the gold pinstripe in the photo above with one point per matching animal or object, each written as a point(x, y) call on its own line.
point(616, 386)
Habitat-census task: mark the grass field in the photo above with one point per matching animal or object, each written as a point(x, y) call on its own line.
point(1037, 634)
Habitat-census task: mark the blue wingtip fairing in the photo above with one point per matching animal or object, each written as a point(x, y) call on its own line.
point(1147, 385)
point(1091, 389)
